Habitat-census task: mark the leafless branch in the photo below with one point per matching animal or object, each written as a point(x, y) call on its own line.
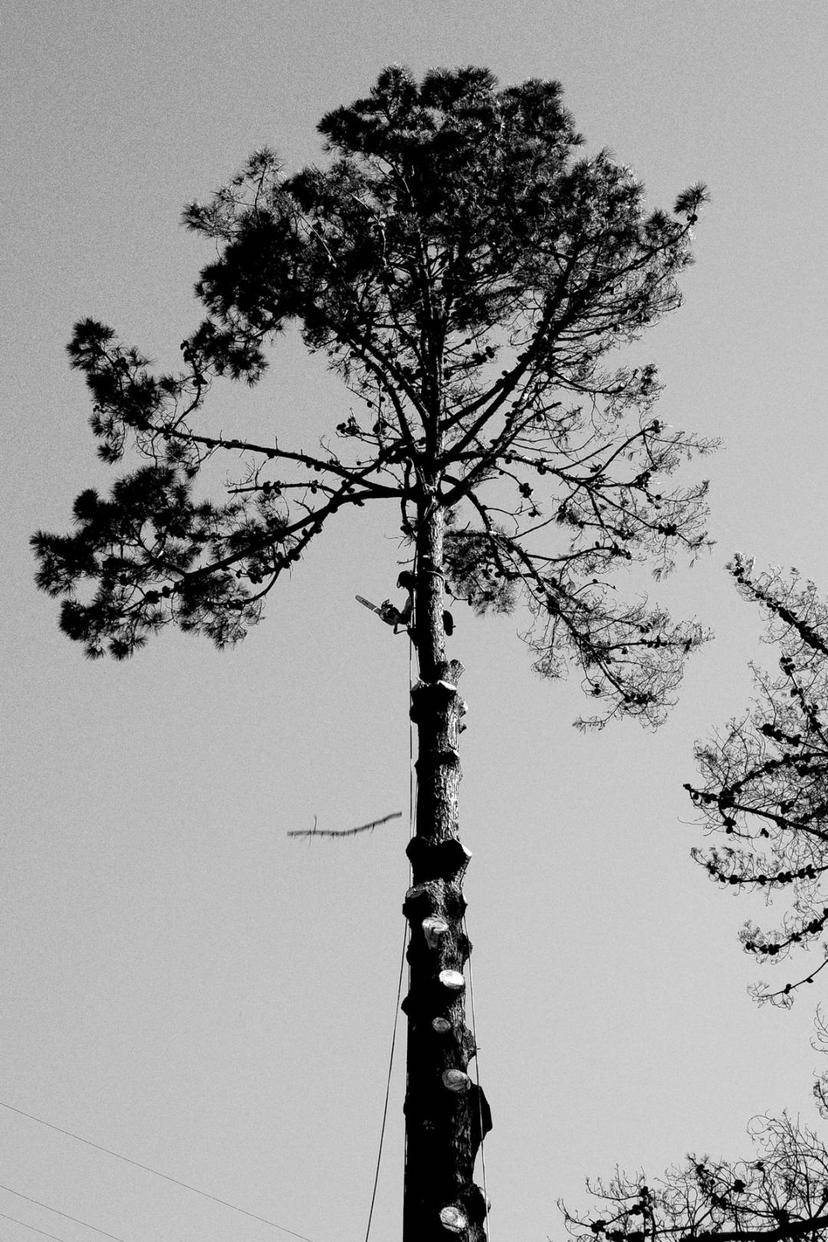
point(343, 832)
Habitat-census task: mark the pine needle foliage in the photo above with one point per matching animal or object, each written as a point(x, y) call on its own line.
point(469, 274)
point(777, 1194)
point(764, 779)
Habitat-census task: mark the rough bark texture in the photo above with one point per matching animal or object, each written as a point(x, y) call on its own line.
point(446, 1114)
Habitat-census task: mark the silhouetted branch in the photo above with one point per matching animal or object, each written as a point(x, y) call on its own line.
point(781, 1194)
point(343, 832)
point(765, 778)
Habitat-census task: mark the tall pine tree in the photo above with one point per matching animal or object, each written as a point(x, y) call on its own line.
point(469, 274)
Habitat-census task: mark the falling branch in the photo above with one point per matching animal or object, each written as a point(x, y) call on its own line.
point(342, 832)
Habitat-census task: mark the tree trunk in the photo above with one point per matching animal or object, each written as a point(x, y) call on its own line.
point(446, 1114)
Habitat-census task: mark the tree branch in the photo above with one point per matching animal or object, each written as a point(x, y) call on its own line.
point(343, 832)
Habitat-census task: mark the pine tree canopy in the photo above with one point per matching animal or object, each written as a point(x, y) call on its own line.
point(764, 779)
point(468, 273)
point(778, 1194)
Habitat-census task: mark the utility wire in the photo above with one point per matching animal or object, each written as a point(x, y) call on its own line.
point(205, 1194)
point(57, 1212)
point(195, 1189)
point(15, 1221)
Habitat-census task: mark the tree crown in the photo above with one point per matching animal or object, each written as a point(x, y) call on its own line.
point(468, 273)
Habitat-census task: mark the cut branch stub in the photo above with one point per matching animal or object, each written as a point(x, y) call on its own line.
point(434, 929)
point(433, 897)
point(433, 860)
point(456, 1080)
point(421, 900)
point(452, 980)
point(454, 1219)
point(440, 996)
point(431, 695)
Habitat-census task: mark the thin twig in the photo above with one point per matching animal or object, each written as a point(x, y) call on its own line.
point(343, 832)
point(789, 987)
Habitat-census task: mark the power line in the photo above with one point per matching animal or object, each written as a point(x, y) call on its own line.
point(57, 1212)
point(42, 1233)
point(205, 1194)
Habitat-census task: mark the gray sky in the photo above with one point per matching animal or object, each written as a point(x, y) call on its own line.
point(180, 981)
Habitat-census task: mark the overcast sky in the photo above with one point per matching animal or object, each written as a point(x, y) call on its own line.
point(180, 981)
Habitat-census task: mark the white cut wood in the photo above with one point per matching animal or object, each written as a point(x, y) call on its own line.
point(452, 979)
point(434, 929)
point(456, 1080)
point(453, 1218)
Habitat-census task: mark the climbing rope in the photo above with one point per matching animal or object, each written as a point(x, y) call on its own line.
point(387, 1087)
point(479, 1096)
point(411, 826)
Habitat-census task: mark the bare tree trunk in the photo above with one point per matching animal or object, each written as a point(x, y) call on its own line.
point(446, 1114)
